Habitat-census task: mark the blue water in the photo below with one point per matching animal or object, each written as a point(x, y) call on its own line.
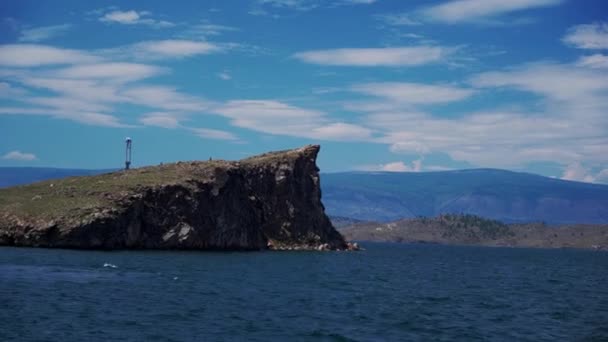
point(388, 292)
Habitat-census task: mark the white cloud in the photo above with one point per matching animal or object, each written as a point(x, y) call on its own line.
point(32, 55)
point(67, 103)
point(270, 116)
point(20, 156)
point(7, 90)
point(214, 134)
point(395, 167)
point(163, 97)
point(496, 139)
point(567, 124)
point(126, 17)
point(87, 118)
point(471, 10)
point(300, 5)
point(404, 146)
point(37, 34)
point(88, 93)
point(224, 75)
point(391, 57)
point(118, 71)
point(132, 17)
point(590, 36)
point(359, 2)
point(161, 49)
point(399, 166)
point(274, 117)
point(576, 172)
point(596, 61)
point(414, 93)
point(602, 176)
point(307, 5)
point(94, 91)
point(399, 19)
point(341, 131)
point(556, 81)
point(485, 12)
point(160, 119)
point(206, 29)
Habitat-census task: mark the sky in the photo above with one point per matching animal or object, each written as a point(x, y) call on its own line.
point(381, 85)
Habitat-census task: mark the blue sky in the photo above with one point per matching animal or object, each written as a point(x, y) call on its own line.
point(380, 84)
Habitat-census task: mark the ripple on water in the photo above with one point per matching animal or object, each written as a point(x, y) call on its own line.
point(388, 292)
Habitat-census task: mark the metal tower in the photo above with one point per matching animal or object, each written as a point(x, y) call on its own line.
point(128, 154)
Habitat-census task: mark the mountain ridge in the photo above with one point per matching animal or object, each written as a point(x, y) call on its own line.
point(493, 193)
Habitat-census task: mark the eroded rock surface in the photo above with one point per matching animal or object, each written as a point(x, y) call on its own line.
point(268, 201)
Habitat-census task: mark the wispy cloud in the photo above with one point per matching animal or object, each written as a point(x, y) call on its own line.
point(567, 125)
point(399, 166)
point(366, 57)
point(206, 30)
point(577, 172)
point(132, 17)
point(8, 90)
point(275, 117)
point(163, 49)
point(114, 70)
point(83, 117)
point(32, 55)
point(37, 34)
point(589, 36)
point(413, 93)
point(163, 97)
point(470, 10)
point(467, 11)
point(596, 61)
point(556, 81)
point(88, 88)
point(214, 134)
point(20, 156)
point(160, 119)
point(307, 5)
point(224, 75)
point(399, 19)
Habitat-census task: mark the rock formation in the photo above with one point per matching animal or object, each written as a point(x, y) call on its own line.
point(268, 201)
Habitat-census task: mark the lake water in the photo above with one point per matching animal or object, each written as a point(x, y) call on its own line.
point(388, 292)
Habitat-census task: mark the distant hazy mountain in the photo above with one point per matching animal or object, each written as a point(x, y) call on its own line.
point(496, 194)
point(388, 196)
point(10, 176)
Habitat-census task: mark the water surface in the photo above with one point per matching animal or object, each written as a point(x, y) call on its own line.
point(388, 292)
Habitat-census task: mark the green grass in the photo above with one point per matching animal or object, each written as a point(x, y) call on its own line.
point(74, 196)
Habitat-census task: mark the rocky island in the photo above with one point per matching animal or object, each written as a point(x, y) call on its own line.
point(466, 229)
point(271, 201)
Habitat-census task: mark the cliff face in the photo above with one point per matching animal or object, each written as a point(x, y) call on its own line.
point(269, 201)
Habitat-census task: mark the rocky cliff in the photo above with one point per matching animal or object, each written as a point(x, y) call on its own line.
point(268, 201)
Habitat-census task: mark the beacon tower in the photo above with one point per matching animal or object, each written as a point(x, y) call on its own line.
point(128, 153)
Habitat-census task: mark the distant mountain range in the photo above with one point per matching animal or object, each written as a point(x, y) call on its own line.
point(388, 196)
point(496, 194)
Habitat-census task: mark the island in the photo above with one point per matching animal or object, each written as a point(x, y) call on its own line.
point(467, 229)
point(271, 201)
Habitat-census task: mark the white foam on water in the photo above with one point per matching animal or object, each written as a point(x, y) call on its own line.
point(109, 265)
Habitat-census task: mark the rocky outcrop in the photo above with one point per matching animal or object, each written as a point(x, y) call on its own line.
point(269, 201)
